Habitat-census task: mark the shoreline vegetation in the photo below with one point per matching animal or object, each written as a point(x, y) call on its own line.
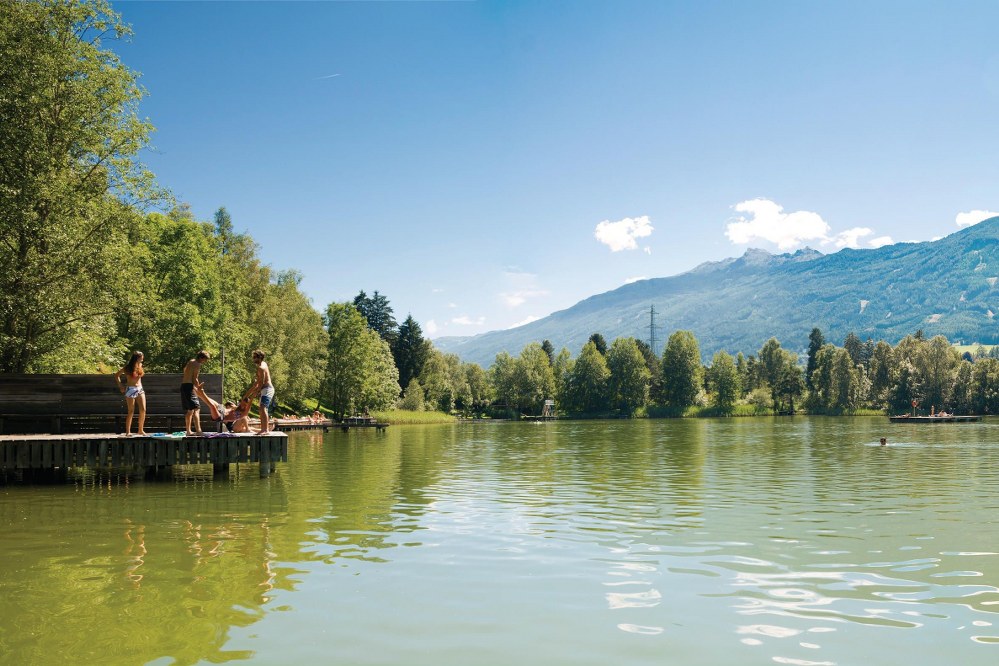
point(104, 263)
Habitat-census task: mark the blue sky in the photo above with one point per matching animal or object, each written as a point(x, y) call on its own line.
point(484, 164)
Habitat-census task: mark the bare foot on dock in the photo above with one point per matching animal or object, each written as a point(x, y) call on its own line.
point(143, 434)
point(263, 432)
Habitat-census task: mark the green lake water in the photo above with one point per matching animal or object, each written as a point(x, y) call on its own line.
point(702, 541)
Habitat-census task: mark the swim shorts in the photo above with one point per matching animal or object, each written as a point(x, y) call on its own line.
point(188, 398)
point(267, 398)
point(133, 392)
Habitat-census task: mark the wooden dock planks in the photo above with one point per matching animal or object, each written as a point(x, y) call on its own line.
point(59, 451)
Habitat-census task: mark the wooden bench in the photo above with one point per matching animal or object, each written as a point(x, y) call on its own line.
point(69, 404)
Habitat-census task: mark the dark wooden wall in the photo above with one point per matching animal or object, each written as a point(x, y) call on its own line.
point(89, 403)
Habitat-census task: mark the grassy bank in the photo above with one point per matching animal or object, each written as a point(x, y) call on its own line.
point(404, 417)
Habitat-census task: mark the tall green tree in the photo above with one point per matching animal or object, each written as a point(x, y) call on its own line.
point(723, 379)
point(985, 386)
point(588, 385)
point(178, 304)
point(549, 350)
point(938, 362)
point(410, 350)
point(502, 378)
point(879, 372)
point(815, 342)
point(629, 376)
point(855, 348)
point(70, 134)
point(378, 313)
point(440, 383)
point(601, 344)
point(380, 387)
point(359, 372)
point(655, 370)
point(412, 397)
point(480, 390)
point(562, 371)
point(963, 398)
point(681, 371)
point(534, 380)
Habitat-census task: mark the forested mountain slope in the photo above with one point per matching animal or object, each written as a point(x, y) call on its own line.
point(944, 287)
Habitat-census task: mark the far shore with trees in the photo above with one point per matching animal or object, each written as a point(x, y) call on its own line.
point(99, 260)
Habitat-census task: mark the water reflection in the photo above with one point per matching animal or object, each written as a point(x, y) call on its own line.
point(109, 569)
point(797, 541)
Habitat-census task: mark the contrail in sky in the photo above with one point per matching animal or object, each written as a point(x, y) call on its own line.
point(328, 76)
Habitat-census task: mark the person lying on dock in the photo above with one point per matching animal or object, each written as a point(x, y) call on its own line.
point(235, 417)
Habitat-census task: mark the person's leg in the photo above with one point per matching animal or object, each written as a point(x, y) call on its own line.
point(197, 421)
point(130, 403)
point(142, 412)
point(187, 421)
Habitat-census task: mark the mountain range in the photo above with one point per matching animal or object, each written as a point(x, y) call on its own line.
point(943, 287)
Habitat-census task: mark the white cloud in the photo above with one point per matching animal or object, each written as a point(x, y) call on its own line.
point(525, 321)
point(766, 220)
point(621, 235)
point(515, 298)
point(430, 327)
point(762, 219)
point(647, 250)
point(452, 305)
point(851, 237)
point(465, 320)
point(973, 217)
point(635, 279)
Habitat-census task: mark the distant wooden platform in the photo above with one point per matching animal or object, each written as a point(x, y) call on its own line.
point(289, 425)
point(360, 422)
point(905, 418)
point(21, 452)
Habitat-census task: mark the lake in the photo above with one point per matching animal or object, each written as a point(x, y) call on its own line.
point(701, 541)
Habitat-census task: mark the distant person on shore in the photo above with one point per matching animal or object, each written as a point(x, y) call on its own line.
point(884, 441)
point(263, 386)
point(188, 395)
point(134, 393)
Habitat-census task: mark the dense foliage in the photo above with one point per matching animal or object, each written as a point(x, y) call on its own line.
point(97, 262)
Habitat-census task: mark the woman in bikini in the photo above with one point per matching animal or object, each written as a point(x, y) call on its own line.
point(232, 415)
point(132, 388)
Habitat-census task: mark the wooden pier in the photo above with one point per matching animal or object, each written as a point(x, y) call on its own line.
point(294, 425)
point(360, 422)
point(49, 452)
point(936, 418)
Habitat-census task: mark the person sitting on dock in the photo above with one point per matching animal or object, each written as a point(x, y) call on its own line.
point(234, 417)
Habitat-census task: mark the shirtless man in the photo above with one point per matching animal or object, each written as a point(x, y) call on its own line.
point(188, 395)
point(262, 385)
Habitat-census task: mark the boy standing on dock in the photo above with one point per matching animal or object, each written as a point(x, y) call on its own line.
point(262, 385)
point(188, 397)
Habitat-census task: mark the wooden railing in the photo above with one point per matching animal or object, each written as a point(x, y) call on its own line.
point(91, 403)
